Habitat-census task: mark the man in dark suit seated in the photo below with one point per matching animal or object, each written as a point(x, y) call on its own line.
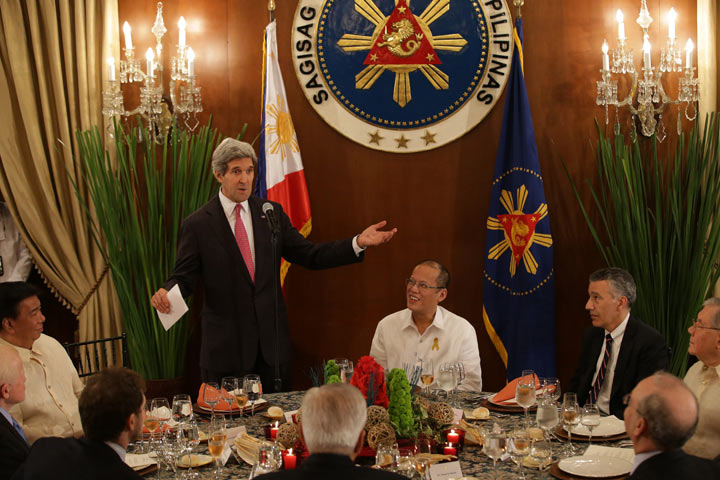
point(661, 414)
point(619, 350)
point(112, 410)
point(332, 428)
point(13, 443)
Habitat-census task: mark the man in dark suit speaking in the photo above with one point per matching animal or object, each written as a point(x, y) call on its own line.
point(618, 350)
point(227, 244)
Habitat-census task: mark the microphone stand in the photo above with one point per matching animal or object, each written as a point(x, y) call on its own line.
point(276, 268)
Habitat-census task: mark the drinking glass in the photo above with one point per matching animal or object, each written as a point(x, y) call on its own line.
point(386, 457)
point(211, 395)
point(519, 448)
point(216, 440)
point(547, 415)
point(405, 465)
point(241, 399)
point(346, 371)
point(269, 459)
point(494, 447)
point(460, 372)
point(227, 392)
point(427, 376)
point(253, 387)
point(590, 417)
point(188, 437)
point(182, 408)
point(447, 379)
point(151, 423)
point(161, 408)
point(525, 392)
point(541, 453)
point(551, 388)
point(571, 417)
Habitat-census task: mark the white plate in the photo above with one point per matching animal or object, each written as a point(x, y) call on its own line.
point(197, 461)
point(609, 426)
point(595, 467)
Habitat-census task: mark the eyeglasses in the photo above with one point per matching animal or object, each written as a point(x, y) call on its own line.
point(697, 324)
point(411, 282)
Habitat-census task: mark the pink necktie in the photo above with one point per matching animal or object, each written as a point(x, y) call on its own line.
point(242, 241)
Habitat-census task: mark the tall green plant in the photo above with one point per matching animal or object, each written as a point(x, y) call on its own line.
point(139, 202)
point(661, 221)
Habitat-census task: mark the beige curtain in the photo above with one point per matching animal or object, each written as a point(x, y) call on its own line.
point(53, 66)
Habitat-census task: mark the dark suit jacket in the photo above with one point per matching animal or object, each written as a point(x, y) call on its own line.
point(643, 352)
point(237, 314)
point(328, 466)
point(676, 464)
point(13, 449)
point(79, 459)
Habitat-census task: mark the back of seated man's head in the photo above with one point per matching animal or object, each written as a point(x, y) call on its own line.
point(333, 417)
point(108, 400)
point(670, 409)
point(12, 377)
point(11, 295)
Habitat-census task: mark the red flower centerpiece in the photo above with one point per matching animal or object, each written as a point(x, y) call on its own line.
point(369, 377)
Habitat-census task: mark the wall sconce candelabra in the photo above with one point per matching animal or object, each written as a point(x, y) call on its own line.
point(155, 106)
point(646, 98)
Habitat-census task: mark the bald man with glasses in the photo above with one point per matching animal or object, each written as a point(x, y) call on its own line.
point(427, 331)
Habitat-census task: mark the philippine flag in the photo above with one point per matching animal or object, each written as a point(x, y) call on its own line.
point(281, 177)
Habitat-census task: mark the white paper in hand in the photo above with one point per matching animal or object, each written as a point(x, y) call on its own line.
point(178, 307)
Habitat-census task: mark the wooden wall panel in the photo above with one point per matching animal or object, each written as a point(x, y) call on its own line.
point(438, 200)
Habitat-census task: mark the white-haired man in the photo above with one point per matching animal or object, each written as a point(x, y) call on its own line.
point(703, 378)
point(333, 418)
point(13, 444)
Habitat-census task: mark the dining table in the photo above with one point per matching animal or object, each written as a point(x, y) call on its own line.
point(474, 463)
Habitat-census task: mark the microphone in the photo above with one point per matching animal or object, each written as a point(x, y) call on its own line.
point(269, 212)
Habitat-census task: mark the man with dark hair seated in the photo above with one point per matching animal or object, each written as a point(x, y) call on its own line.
point(660, 416)
point(112, 410)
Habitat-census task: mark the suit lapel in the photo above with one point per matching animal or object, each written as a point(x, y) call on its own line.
point(624, 355)
point(9, 426)
point(219, 224)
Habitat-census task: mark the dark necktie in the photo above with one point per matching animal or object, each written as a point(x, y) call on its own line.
point(595, 390)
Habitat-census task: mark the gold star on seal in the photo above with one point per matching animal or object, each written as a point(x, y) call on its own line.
point(430, 57)
point(402, 141)
point(429, 137)
point(375, 137)
point(374, 57)
point(402, 9)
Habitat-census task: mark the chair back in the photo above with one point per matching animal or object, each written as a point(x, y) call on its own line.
point(92, 356)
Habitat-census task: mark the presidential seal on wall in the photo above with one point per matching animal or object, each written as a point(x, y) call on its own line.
point(402, 75)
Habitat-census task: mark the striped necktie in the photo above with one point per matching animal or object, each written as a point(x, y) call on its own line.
point(241, 238)
point(600, 378)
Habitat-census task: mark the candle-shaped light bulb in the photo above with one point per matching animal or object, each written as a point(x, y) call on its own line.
point(689, 46)
point(672, 16)
point(621, 26)
point(647, 63)
point(191, 61)
point(605, 58)
point(111, 68)
point(181, 27)
point(150, 56)
point(128, 36)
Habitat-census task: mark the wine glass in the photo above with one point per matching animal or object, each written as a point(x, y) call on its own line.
point(253, 387)
point(427, 376)
point(446, 378)
point(217, 437)
point(541, 453)
point(182, 408)
point(188, 437)
point(241, 399)
point(547, 415)
point(211, 395)
point(494, 447)
point(227, 392)
point(525, 392)
point(151, 423)
point(551, 388)
point(460, 371)
point(346, 371)
point(161, 408)
point(519, 448)
point(571, 417)
point(590, 417)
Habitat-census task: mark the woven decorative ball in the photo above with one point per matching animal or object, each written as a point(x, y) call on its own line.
point(380, 434)
point(376, 415)
point(441, 412)
point(424, 402)
point(287, 434)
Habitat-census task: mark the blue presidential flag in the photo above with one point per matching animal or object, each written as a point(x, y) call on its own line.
point(518, 283)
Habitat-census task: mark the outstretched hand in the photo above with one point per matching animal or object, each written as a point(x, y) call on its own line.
point(160, 301)
point(372, 236)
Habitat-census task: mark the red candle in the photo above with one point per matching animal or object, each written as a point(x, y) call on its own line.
point(273, 433)
point(289, 460)
point(450, 450)
point(453, 436)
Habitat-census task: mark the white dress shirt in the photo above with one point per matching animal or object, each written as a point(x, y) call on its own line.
point(603, 400)
point(16, 261)
point(449, 338)
point(704, 381)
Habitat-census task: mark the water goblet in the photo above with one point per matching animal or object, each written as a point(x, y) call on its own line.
point(519, 448)
point(188, 437)
point(211, 395)
point(161, 408)
point(590, 417)
point(447, 379)
point(494, 447)
point(182, 408)
point(346, 371)
point(570, 417)
point(547, 415)
point(227, 392)
point(460, 371)
point(551, 388)
point(541, 453)
point(253, 387)
point(525, 392)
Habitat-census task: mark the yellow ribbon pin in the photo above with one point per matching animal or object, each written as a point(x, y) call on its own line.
point(435, 345)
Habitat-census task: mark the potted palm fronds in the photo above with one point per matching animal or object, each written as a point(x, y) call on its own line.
point(660, 220)
point(138, 203)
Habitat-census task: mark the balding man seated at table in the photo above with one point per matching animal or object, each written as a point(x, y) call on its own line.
point(14, 447)
point(661, 414)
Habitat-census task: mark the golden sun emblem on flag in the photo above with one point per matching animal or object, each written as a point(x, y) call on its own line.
point(402, 43)
point(282, 131)
point(519, 230)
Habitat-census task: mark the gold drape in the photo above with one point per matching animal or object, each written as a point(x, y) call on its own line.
point(52, 55)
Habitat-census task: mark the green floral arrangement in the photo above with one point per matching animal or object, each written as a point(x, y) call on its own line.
point(331, 369)
point(400, 407)
point(334, 379)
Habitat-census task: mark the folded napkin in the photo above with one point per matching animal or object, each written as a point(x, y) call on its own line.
point(139, 461)
point(508, 392)
point(222, 405)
